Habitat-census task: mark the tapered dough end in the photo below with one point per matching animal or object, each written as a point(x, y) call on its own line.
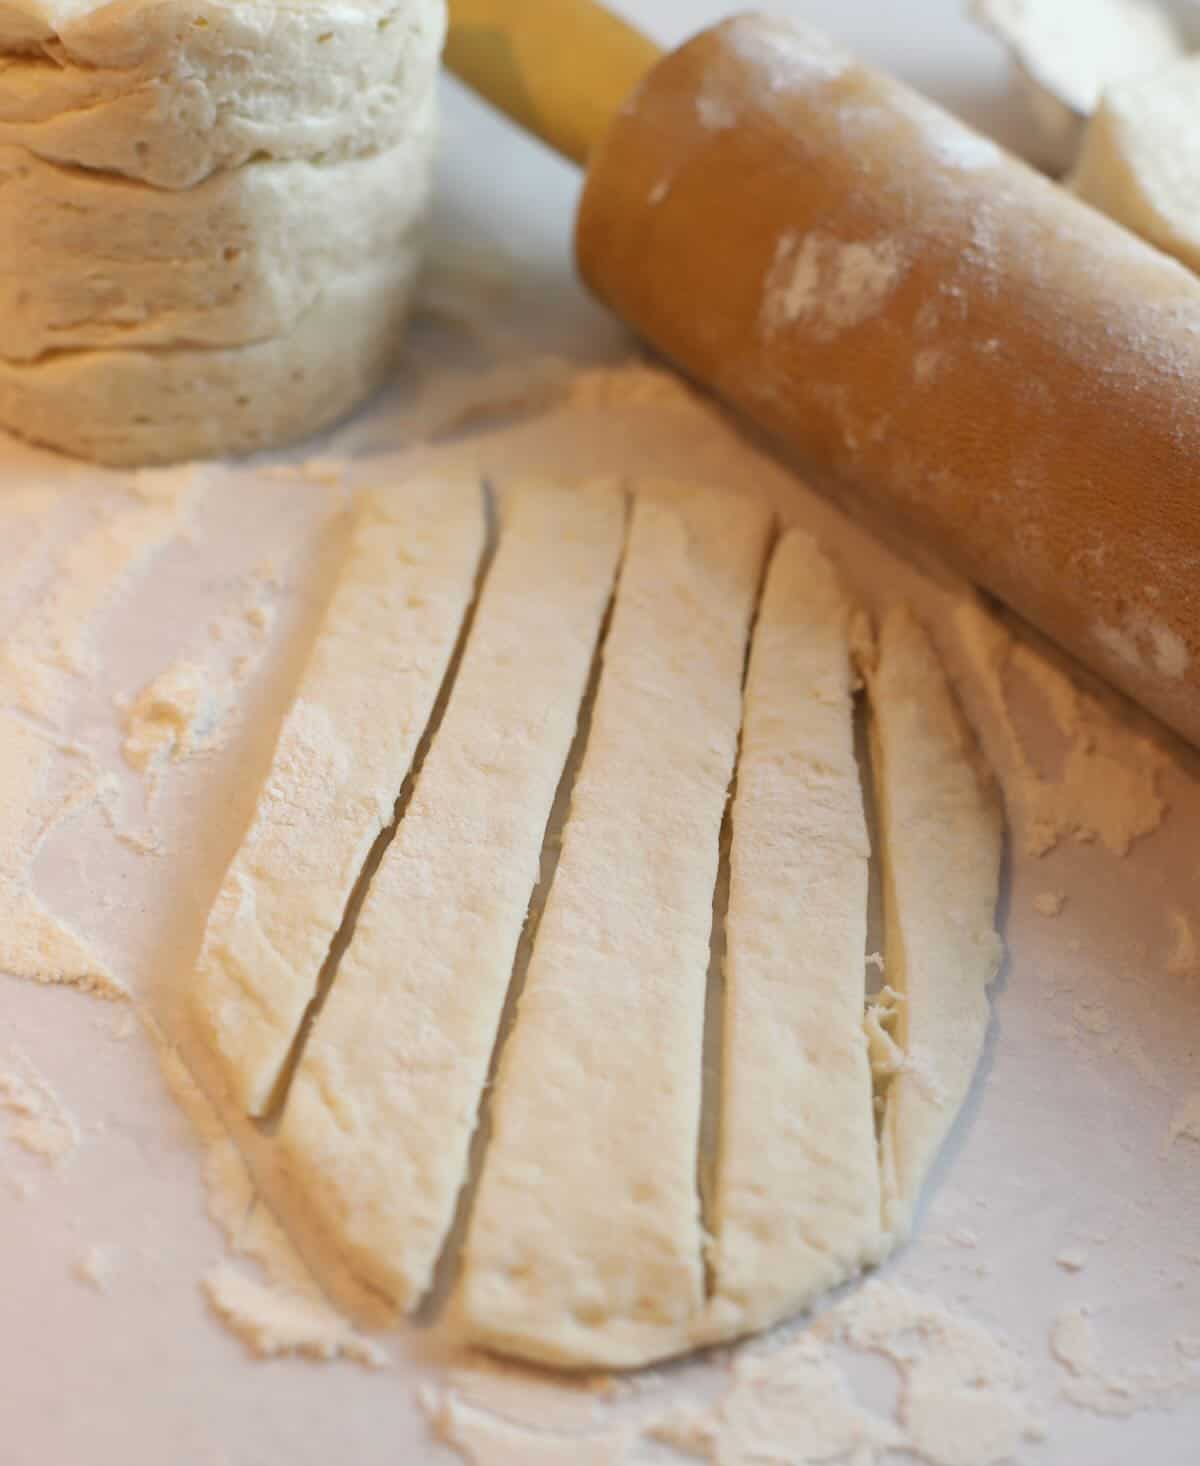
point(344, 749)
point(796, 1204)
point(943, 846)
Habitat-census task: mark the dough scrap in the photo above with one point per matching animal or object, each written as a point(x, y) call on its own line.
point(797, 1200)
point(88, 261)
point(347, 743)
point(378, 1124)
point(1067, 51)
point(170, 92)
point(598, 1094)
point(130, 407)
point(943, 842)
point(1140, 161)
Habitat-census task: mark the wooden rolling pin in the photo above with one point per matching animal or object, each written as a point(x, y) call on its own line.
point(991, 364)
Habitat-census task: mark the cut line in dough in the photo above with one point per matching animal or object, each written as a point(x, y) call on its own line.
point(797, 1204)
point(349, 738)
point(943, 842)
point(377, 1129)
point(598, 1092)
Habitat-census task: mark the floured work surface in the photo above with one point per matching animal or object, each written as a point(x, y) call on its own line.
point(1088, 1055)
point(1044, 1312)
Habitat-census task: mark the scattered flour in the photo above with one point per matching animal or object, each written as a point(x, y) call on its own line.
point(35, 944)
point(1108, 785)
point(1145, 643)
point(964, 1392)
point(186, 709)
point(523, 1398)
point(797, 1400)
point(1185, 1122)
point(95, 1267)
point(1092, 1017)
point(1072, 1259)
point(38, 1121)
point(284, 1312)
point(964, 1397)
point(273, 1322)
point(1184, 957)
point(174, 715)
point(829, 284)
point(1088, 1383)
point(50, 648)
point(1049, 903)
point(484, 1439)
point(791, 57)
point(42, 661)
point(715, 111)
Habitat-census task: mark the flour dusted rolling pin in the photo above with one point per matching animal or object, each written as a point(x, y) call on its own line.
point(999, 369)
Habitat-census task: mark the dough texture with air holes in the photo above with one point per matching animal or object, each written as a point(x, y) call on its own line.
point(169, 91)
point(142, 406)
point(943, 840)
point(584, 1248)
point(1141, 158)
point(89, 261)
point(379, 1120)
point(346, 745)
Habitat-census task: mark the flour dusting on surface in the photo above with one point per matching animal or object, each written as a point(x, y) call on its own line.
point(272, 1322)
point(964, 1397)
point(50, 649)
point(1087, 1381)
point(1185, 1122)
point(830, 284)
point(38, 1120)
point(95, 1267)
point(1183, 960)
point(1108, 788)
point(1145, 644)
point(484, 1439)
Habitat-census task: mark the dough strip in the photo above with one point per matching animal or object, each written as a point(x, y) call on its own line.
point(943, 842)
point(797, 1198)
point(346, 745)
point(585, 1247)
point(376, 1134)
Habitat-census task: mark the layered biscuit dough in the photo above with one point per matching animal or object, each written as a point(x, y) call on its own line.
point(92, 262)
point(169, 91)
point(127, 408)
point(210, 217)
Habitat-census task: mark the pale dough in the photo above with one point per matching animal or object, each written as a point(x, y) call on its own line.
point(585, 1247)
point(169, 92)
point(1068, 51)
point(347, 743)
point(943, 841)
point(159, 406)
point(379, 1120)
point(88, 260)
point(1141, 158)
point(797, 1199)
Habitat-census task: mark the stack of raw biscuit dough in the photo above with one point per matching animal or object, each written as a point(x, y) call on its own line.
point(210, 216)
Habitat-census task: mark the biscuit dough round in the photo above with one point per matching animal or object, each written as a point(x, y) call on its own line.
point(90, 261)
point(169, 91)
point(159, 406)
